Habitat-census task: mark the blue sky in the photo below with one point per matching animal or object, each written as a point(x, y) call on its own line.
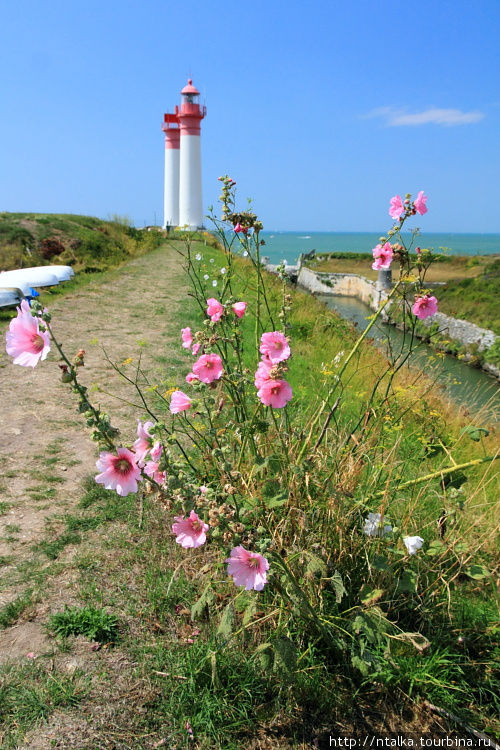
point(321, 111)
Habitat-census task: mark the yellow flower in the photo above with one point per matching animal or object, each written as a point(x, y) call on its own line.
point(169, 392)
point(128, 361)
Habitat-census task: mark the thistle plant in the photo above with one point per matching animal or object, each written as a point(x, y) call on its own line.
point(299, 496)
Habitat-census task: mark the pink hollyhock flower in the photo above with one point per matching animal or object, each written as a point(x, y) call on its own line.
point(24, 339)
point(420, 203)
point(179, 402)
point(239, 308)
point(208, 368)
point(144, 441)
point(263, 372)
point(248, 569)
point(196, 348)
point(190, 377)
point(119, 472)
point(240, 228)
point(275, 393)
point(191, 531)
point(187, 338)
point(397, 208)
point(275, 346)
point(383, 256)
point(152, 470)
point(156, 451)
point(424, 307)
point(214, 310)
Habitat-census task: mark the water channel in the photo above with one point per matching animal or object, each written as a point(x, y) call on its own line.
point(466, 386)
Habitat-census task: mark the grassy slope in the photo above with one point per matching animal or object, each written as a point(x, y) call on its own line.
point(85, 242)
point(134, 567)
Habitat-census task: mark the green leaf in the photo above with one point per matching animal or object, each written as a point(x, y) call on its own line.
point(380, 562)
point(407, 584)
point(266, 655)
point(226, 622)
point(477, 572)
point(435, 548)
point(285, 657)
point(250, 612)
point(369, 596)
point(475, 433)
point(277, 500)
point(205, 600)
point(338, 586)
point(365, 667)
point(315, 566)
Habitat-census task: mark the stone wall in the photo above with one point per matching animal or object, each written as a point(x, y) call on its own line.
point(354, 285)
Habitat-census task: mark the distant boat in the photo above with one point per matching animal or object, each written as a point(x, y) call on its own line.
point(305, 237)
point(10, 296)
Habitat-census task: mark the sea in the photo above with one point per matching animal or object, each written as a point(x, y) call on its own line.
point(289, 245)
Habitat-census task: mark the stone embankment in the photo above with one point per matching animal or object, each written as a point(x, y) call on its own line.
point(372, 294)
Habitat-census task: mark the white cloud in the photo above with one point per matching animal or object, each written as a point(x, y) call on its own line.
point(447, 117)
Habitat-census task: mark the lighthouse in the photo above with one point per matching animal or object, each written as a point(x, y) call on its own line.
point(171, 189)
point(183, 206)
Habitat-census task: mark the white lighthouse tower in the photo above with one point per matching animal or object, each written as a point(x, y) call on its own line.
point(171, 189)
point(190, 116)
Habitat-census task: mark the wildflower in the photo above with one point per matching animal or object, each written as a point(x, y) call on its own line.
point(223, 271)
point(24, 339)
point(275, 393)
point(247, 569)
point(374, 525)
point(156, 451)
point(198, 256)
point(187, 338)
point(420, 203)
point(239, 309)
point(413, 543)
point(118, 472)
point(196, 348)
point(190, 531)
point(214, 282)
point(214, 310)
point(208, 368)
point(206, 276)
point(240, 228)
point(152, 470)
point(397, 208)
point(179, 402)
point(211, 260)
point(425, 306)
point(383, 256)
point(245, 253)
point(203, 490)
point(144, 440)
point(263, 372)
point(275, 346)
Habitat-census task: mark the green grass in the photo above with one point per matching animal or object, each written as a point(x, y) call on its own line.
point(95, 624)
point(10, 613)
point(30, 693)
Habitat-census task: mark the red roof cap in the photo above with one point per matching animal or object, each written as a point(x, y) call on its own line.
point(190, 89)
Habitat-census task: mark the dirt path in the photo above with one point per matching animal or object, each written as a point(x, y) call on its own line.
point(45, 450)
